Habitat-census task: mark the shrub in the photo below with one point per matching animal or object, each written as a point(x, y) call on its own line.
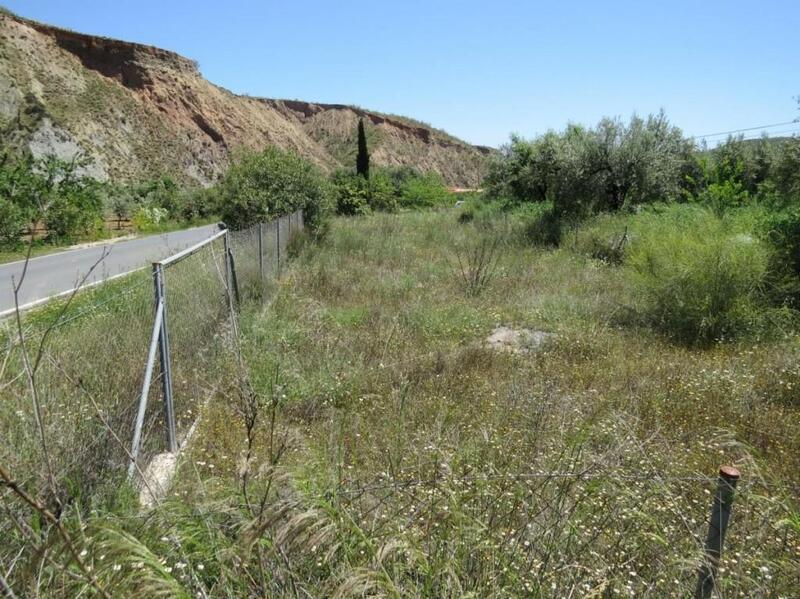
point(542, 227)
point(351, 192)
point(722, 197)
point(466, 214)
point(381, 191)
point(193, 204)
point(48, 190)
point(697, 279)
point(425, 191)
point(19, 189)
point(260, 186)
point(783, 234)
point(148, 218)
point(478, 260)
point(787, 168)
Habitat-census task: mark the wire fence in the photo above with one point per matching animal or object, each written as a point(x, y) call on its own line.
point(74, 377)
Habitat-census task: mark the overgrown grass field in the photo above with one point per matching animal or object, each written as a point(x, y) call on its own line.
point(365, 440)
point(401, 456)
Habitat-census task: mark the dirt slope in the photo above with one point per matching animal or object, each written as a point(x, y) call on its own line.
point(136, 111)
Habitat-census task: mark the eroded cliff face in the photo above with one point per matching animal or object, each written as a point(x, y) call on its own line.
point(136, 111)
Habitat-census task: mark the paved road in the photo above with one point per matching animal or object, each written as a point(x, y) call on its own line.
point(58, 273)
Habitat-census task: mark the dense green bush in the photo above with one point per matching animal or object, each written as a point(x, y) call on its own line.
point(19, 189)
point(724, 196)
point(786, 170)
point(542, 227)
point(425, 191)
point(697, 277)
point(383, 194)
point(352, 193)
point(388, 189)
point(260, 186)
point(157, 201)
point(356, 195)
point(50, 191)
point(783, 233)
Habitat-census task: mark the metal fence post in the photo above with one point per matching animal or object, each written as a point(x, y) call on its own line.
point(230, 275)
point(234, 279)
point(166, 368)
point(278, 244)
point(136, 444)
point(717, 527)
point(261, 253)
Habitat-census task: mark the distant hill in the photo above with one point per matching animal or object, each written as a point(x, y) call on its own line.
point(137, 111)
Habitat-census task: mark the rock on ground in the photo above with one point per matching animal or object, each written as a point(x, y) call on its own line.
point(518, 340)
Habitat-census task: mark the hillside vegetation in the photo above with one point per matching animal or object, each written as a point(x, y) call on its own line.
point(139, 112)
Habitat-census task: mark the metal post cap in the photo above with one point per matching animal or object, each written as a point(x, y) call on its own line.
point(729, 472)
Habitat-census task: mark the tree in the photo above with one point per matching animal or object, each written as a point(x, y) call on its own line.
point(362, 160)
point(261, 186)
point(47, 190)
point(585, 170)
point(526, 170)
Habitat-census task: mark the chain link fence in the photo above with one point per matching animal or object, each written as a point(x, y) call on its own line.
point(83, 380)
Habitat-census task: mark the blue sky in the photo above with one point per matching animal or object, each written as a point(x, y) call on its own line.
point(481, 70)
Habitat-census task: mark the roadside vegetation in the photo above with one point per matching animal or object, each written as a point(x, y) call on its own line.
point(53, 203)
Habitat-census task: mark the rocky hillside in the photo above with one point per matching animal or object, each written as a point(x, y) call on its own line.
point(137, 111)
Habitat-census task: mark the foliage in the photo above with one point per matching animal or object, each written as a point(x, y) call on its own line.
point(260, 186)
point(20, 190)
point(352, 193)
point(698, 279)
point(50, 191)
point(121, 203)
point(542, 227)
point(382, 193)
point(588, 170)
point(725, 196)
point(148, 218)
point(783, 233)
point(387, 190)
point(424, 191)
point(786, 170)
point(362, 158)
point(526, 171)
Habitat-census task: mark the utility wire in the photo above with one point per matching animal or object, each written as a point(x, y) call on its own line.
point(772, 135)
point(732, 131)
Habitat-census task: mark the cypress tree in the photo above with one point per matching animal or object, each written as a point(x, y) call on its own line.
point(362, 160)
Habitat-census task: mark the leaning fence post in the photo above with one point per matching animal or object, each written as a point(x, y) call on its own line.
point(166, 368)
point(717, 527)
point(136, 444)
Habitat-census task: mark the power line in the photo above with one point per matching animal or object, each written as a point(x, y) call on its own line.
point(773, 135)
point(747, 129)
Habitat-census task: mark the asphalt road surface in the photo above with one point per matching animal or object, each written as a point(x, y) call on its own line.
point(59, 273)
